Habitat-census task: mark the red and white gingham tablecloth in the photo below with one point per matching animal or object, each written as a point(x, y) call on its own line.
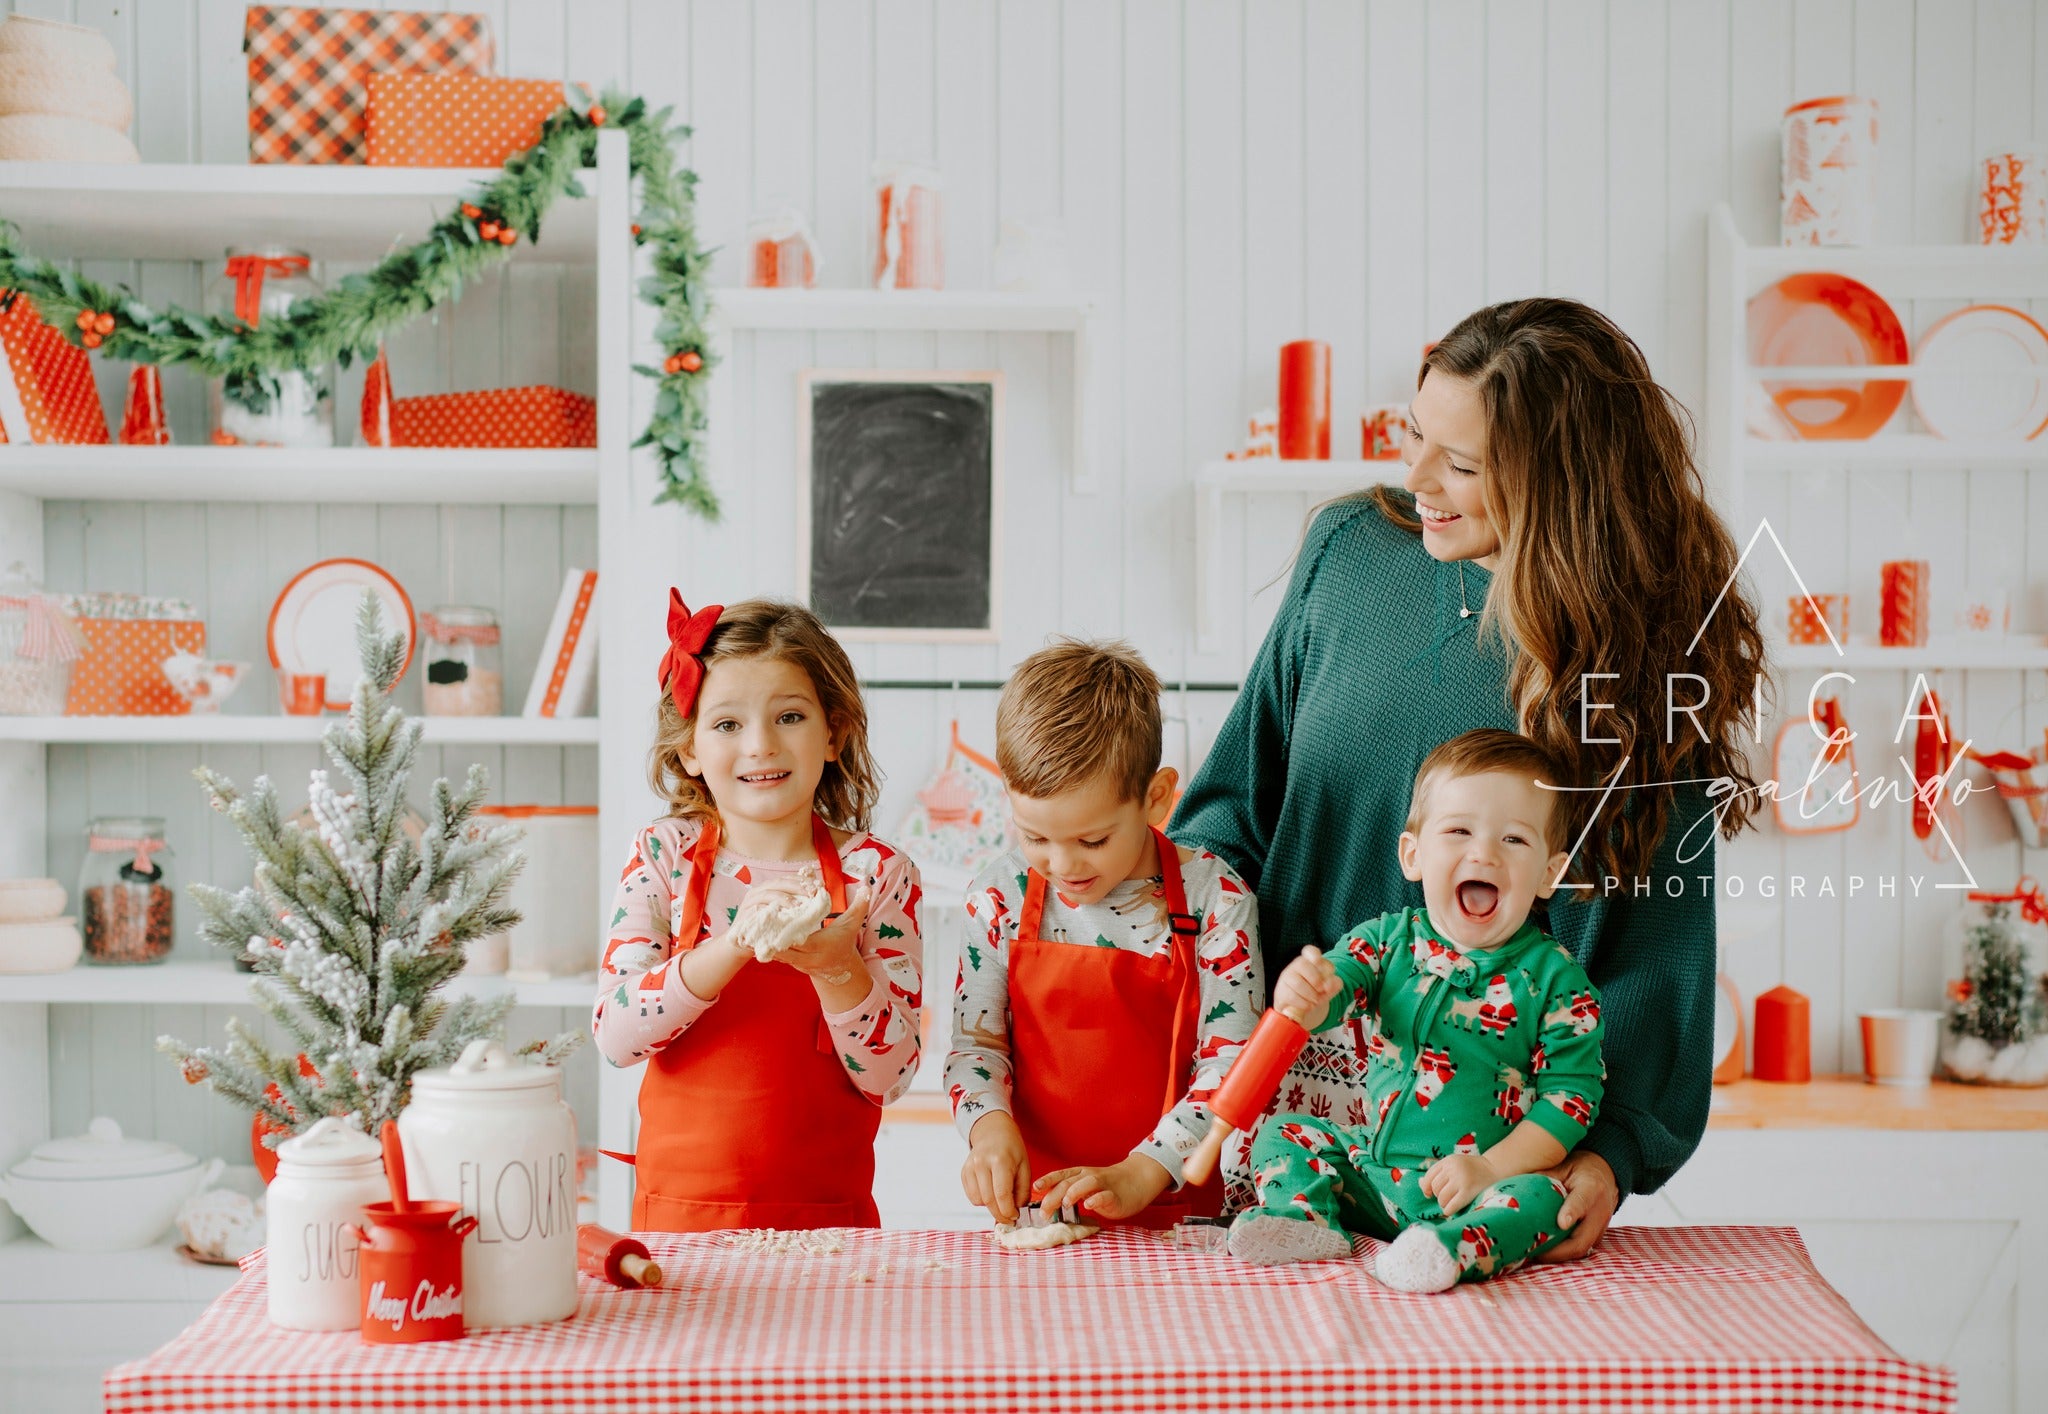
point(1699, 1318)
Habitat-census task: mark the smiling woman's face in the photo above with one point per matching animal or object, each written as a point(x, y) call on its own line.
point(1446, 456)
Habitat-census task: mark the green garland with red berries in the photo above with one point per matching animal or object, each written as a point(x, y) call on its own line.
point(350, 320)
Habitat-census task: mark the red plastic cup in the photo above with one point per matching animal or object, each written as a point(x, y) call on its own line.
point(411, 1270)
point(1305, 401)
point(303, 694)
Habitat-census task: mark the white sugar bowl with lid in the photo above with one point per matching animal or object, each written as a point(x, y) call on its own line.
point(324, 1177)
point(493, 1133)
point(102, 1192)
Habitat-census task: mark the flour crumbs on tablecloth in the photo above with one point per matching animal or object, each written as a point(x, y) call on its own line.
point(823, 1242)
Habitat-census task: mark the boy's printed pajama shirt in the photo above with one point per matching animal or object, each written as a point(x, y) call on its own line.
point(1466, 1046)
point(1231, 986)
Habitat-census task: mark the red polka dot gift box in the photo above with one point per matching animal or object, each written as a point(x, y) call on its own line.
point(455, 120)
point(309, 72)
point(46, 388)
point(535, 416)
point(128, 637)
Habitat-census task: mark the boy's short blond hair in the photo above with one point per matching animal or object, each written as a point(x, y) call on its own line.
point(1477, 752)
point(1076, 710)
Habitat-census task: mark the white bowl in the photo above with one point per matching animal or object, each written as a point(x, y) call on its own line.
point(100, 1192)
point(30, 900)
point(51, 945)
point(31, 83)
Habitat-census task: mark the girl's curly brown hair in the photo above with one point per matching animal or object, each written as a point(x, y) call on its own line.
point(769, 628)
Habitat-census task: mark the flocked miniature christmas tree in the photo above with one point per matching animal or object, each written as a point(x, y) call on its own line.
point(354, 927)
point(1995, 999)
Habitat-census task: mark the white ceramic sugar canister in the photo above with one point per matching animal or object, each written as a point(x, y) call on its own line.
point(313, 1206)
point(493, 1133)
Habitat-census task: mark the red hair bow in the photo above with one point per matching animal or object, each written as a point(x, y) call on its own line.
point(682, 671)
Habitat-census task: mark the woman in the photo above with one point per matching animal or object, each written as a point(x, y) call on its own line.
point(1548, 568)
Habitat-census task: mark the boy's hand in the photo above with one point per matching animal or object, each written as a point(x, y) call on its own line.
point(1123, 1190)
point(1306, 987)
point(1458, 1179)
point(997, 1174)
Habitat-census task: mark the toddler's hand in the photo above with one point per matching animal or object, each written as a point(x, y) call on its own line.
point(1122, 1190)
point(1458, 1179)
point(997, 1174)
point(1306, 987)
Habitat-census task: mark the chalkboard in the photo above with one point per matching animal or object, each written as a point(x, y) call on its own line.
point(900, 494)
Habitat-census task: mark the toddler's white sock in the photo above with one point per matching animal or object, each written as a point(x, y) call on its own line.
point(1417, 1261)
point(1265, 1240)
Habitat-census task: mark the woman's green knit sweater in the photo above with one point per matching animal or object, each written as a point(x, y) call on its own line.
point(1367, 668)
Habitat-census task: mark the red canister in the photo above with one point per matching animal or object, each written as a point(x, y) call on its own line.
point(1305, 401)
point(410, 1263)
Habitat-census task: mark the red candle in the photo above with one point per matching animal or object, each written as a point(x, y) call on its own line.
point(1784, 1037)
point(1305, 400)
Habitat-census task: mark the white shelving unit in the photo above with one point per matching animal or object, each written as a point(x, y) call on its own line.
point(1256, 476)
point(2016, 654)
point(939, 311)
point(1736, 271)
point(384, 475)
point(173, 212)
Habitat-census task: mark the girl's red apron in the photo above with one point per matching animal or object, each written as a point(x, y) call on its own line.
point(1092, 1078)
point(748, 1119)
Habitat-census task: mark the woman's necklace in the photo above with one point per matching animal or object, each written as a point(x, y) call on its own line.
point(1464, 609)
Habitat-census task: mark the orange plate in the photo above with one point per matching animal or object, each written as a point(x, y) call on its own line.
point(1825, 318)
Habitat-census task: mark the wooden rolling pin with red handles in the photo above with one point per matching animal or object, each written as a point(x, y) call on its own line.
point(614, 1257)
point(1253, 1080)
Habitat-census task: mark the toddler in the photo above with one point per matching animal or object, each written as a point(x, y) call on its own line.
point(1484, 1066)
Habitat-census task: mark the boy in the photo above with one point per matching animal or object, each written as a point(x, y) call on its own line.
point(1108, 978)
point(1485, 1063)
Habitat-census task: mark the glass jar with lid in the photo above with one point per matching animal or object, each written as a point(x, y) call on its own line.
point(284, 407)
point(465, 677)
point(1996, 1028)
point(124, 890)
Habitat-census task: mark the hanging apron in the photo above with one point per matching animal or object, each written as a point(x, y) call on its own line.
point(1091, 1078)
point(748, 1119)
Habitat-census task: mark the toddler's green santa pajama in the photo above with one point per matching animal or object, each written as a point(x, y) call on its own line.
point(1466, 1046)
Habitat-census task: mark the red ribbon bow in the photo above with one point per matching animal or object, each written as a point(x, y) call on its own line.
point(247, 271)
point(682, 671)
point(2027, 894)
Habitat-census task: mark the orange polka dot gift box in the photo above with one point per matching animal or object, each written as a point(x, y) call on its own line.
point(455, 120)
point(536, 416)
point(128, 637)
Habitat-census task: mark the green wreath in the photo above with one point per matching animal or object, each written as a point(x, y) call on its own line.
point(353, 318)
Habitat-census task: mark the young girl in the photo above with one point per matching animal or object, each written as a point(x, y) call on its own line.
point(767, 1078)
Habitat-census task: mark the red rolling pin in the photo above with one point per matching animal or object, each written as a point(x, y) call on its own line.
point(1253, 1079)
point(619, 1259)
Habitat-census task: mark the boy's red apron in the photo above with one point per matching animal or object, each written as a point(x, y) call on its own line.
point(748, 1118)
point(1091, 1078)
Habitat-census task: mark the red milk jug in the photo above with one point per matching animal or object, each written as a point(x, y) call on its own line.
point(411, 1268)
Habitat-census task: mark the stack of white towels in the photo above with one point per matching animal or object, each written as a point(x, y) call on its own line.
point(60, 98)
point(35, 933)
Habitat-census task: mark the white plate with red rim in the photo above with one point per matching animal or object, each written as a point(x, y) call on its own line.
point(313, 623)
point(1981, 374)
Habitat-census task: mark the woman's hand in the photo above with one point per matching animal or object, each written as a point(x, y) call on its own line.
point(1122, 1190)
point(997, 1174)
point(831, 957)
point(1306, 987)
point(1590, 1201)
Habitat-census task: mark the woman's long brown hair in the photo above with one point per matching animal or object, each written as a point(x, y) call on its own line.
point(768, 628)
point(1611, 559)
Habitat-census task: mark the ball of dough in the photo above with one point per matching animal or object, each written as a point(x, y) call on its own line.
point(777, 914)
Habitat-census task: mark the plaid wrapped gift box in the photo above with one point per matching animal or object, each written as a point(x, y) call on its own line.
point(456, 120)
point(46, 388)
point(309, 72)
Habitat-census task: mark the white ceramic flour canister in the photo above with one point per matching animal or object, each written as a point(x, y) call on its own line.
point(493, 1133)
point(314, 1204)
